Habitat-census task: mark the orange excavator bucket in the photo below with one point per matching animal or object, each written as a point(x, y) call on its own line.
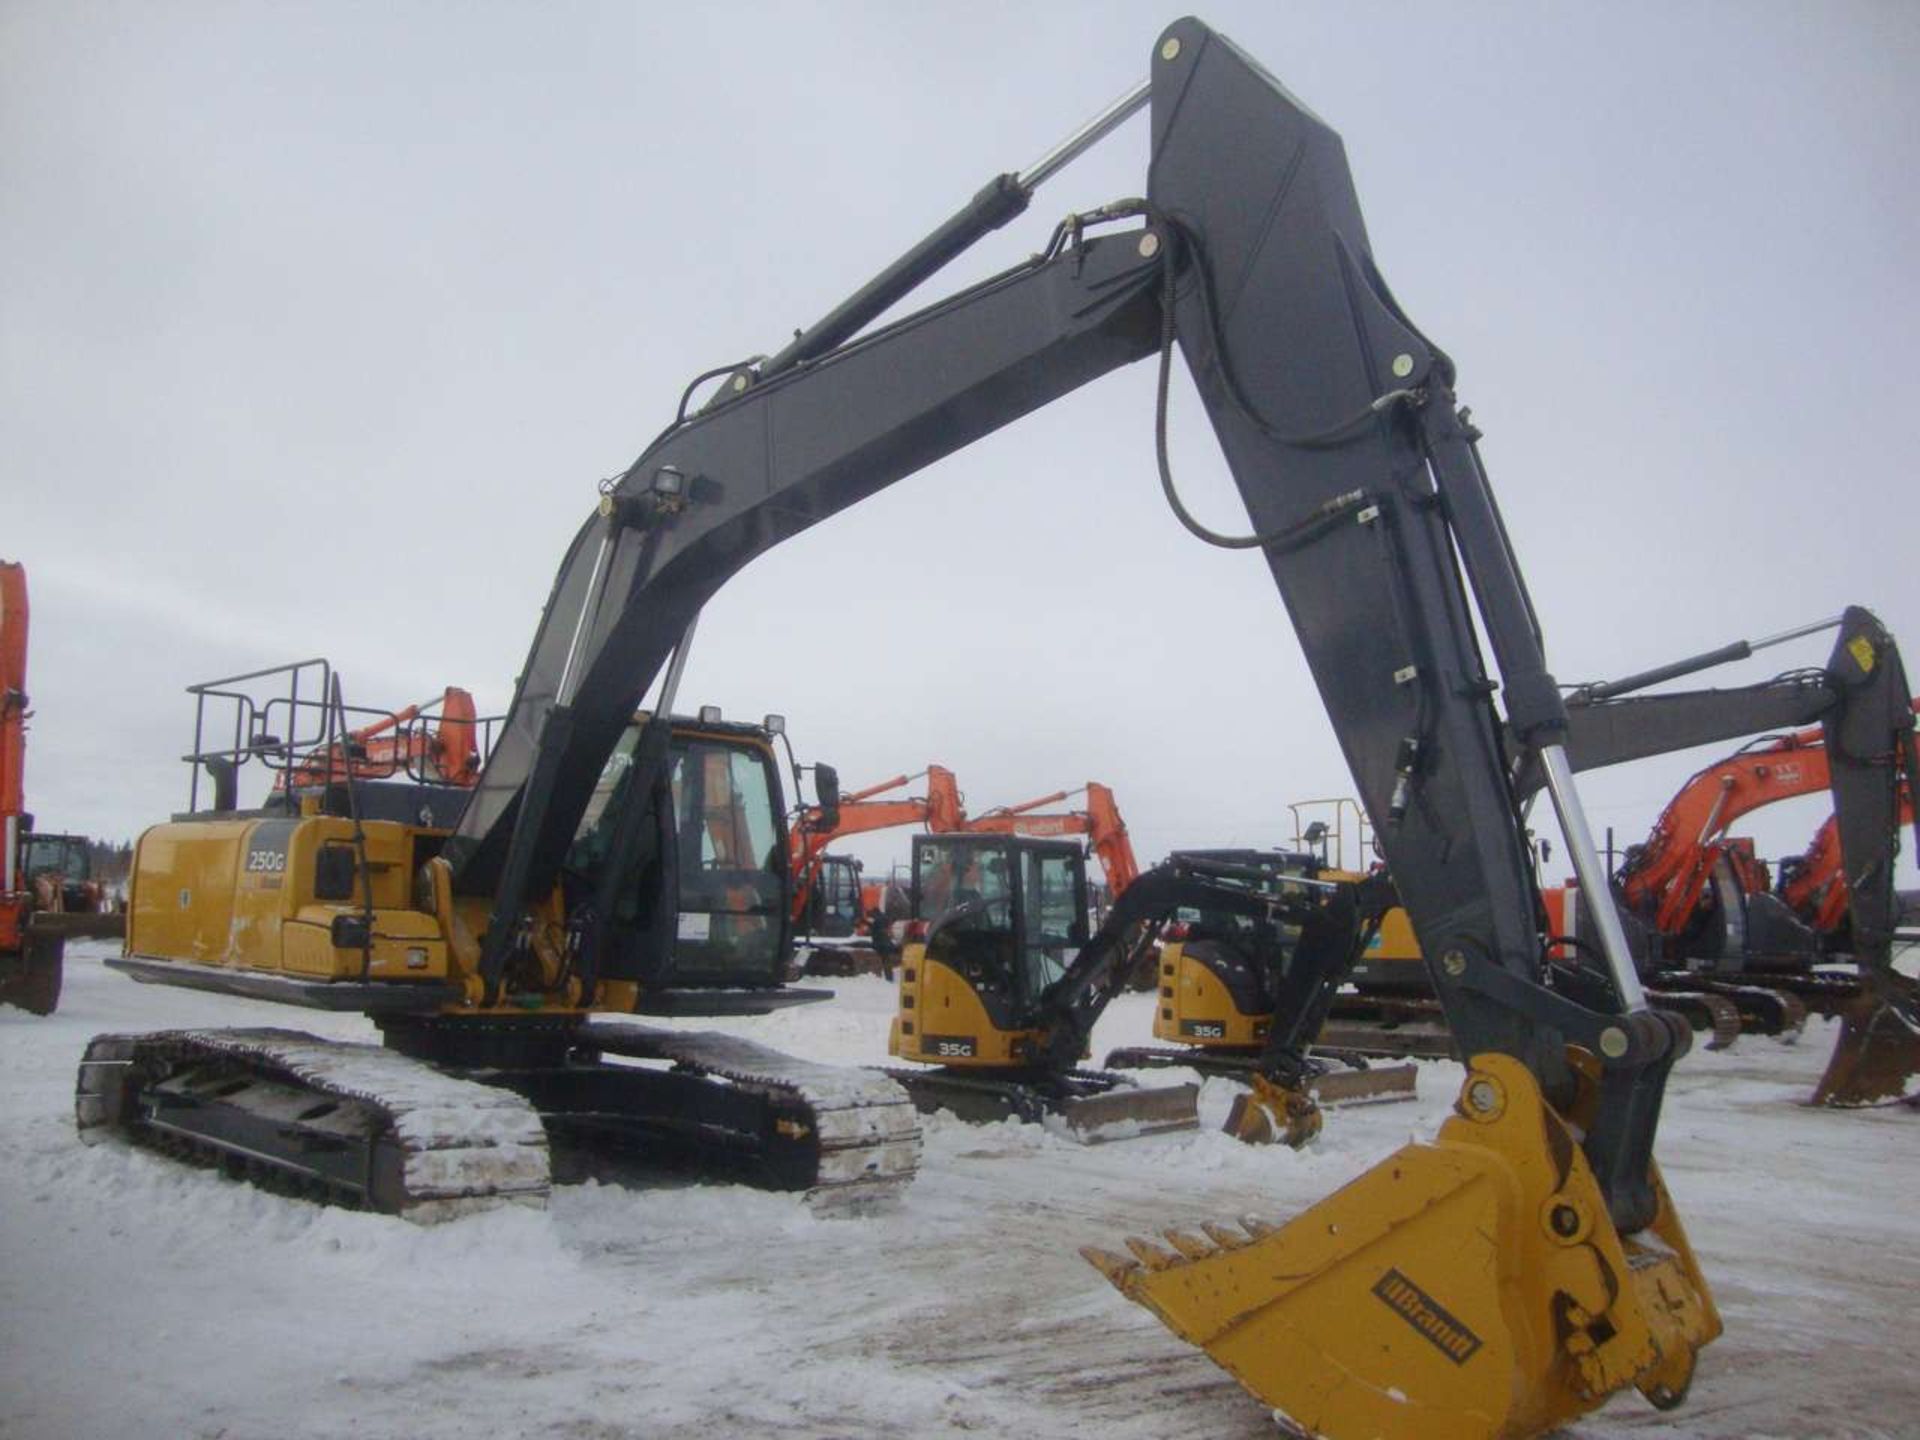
point(1474, 1287)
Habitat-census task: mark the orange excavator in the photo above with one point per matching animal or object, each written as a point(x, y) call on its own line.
point(29, 963)
point(1713, 924)
point(47, 894)
point(819, 877)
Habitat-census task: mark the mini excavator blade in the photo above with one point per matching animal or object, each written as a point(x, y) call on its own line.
point(1375, 1085)
point(1878, 1053)
point(1128, 1111)
point(1474, 1287)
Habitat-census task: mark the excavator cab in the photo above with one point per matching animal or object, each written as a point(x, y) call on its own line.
point(998, 918)
point(60, 868)
point(833, 903)
point(728, 851)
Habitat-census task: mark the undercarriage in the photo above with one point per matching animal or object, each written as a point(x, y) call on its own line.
point(462, 1115)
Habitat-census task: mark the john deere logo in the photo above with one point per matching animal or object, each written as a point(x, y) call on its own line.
point(1425, 1314)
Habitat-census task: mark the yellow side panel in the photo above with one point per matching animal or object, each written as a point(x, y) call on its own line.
point(240, 893)
point(1395, 940)
point(1195, 1008)
point(182, 894)
point(942, 1022)
point(406, 946)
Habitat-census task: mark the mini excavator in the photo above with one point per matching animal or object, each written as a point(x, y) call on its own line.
point(1222, 987)
point(1002, 987)
point(990, 976)
point(1003, 980)
point(1502, 1280)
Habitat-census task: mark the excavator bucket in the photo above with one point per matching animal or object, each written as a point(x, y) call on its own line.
point(1471, 1287)
point(1272, 1114)
point(1878, 1054)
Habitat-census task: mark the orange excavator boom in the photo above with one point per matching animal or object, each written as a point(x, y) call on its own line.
point(1100, 822)
point(939, 810)
point(448, 754)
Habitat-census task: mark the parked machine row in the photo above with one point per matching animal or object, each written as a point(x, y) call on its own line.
point(607, 856)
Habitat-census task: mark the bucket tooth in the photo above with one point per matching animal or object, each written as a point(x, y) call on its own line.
point(1258, 1228)
point(1226, 1239)
point(1151, 1255)
point(1117, 1268)
point(1189, 1244)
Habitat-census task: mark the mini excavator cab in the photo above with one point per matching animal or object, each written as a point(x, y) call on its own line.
point(998, 917)
point(833, 901)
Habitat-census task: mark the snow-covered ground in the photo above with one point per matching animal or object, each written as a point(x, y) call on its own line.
point(139, 1299)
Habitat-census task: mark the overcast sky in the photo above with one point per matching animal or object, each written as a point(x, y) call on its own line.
point(319, 323)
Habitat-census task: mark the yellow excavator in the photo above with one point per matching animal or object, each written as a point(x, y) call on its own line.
point(1499, 1281)
point(330, 892)
point(1221, 974)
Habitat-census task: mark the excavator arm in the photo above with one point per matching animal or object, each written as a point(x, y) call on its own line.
point(857, 814)
point(1338, 421)
point(1667, 874)
point(1100, 822)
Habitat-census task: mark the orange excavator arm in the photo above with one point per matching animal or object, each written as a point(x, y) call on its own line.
point(449, 753)
point(1100, 822)
point(13, 747)
point(939, 810)
point(1816, 889)
point(13, 693)
point(1670, 872)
